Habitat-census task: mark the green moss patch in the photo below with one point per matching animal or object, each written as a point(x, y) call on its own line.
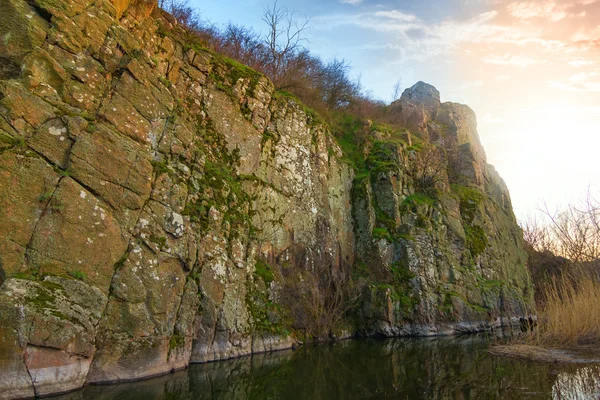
point(470, 199)
point(264, 271)
point(267, 316)
point(382, 233)
point(227, 72)
point(419, 199)
point(477, 240)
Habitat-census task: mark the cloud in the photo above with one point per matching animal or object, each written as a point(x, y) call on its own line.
point(583, 76)
point(396, 15)
point(581, 62)
point(491, 36)
point(549, 10)
point(353, 2)
point(425, 40)
point(510, 59)
point(576, 86)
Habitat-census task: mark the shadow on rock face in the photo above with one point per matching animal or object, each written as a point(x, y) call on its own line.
point(2, 272)
point(8, 70)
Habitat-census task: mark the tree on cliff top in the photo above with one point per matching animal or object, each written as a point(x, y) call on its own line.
point(281, 54)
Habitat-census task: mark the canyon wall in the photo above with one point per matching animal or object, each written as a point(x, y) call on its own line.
point(161, 204)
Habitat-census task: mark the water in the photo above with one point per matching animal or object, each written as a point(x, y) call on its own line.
point(446, 368)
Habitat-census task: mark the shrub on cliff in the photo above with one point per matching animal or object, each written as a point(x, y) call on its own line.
point(282, 56)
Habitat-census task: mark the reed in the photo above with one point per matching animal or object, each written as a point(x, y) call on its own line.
point(570, 315)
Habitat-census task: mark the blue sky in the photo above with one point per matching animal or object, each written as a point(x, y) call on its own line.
point(529, 69)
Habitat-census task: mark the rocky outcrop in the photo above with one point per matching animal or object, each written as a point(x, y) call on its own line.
point(162, 205)
point(435, 228)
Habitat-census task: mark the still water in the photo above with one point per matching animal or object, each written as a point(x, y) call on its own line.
point(446, 368)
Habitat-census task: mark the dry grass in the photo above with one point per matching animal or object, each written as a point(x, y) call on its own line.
point(568, 326)
point(530, 352)
point(571, 313)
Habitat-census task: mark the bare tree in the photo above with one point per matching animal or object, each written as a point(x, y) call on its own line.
point(244, 45)
point(336, 87)
point(576, 230)
point(428, 169)
point(572, 232)
point(538, 235)
point(397, 90)
point(284, 38)
point(318, 299)
point(185, 15)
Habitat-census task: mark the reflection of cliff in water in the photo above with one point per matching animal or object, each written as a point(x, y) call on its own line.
point(399, 368)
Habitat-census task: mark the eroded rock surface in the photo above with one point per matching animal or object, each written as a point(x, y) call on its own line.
point(162, 205)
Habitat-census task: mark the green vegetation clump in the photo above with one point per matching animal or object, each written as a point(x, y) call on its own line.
point(264, 271)
point(347, 133)
point(382, 233)
point(226, 73)
point(79, 275)
point(160, 167)
point(312, 116)
point(8, 142)
point(44, 197)
point(219, 186)
point(177, 341)
point(470, 199)
point(267, 316)
point(470, 202)
point(160, 241)
point(477, 240)
point(419, 199)
point(401, 275)
point(383, 157)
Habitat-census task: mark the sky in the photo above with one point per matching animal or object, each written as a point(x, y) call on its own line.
point(529, 69)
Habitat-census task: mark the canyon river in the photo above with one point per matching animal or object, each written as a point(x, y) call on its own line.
point(438, 368)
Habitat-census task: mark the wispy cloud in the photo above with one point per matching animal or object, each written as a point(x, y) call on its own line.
point(510, 59)
point(396, 15)
point(424, 40)
point(581, 62)
point(576, 87)
point(530, 9)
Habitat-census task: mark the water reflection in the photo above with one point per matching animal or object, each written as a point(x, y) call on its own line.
point(583, 384)
point(447, 368)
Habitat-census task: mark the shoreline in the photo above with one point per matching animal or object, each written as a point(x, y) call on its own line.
point(584, 354)
point(409, 331)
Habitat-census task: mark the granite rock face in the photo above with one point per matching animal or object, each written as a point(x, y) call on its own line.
point(158, 200)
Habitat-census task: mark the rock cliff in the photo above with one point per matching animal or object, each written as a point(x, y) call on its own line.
point(161, 204)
